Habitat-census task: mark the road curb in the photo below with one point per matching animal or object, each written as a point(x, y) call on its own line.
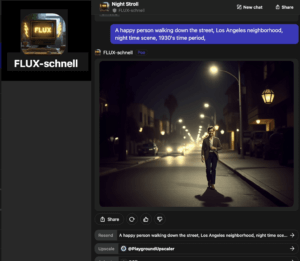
point(272, 194)
point(107, 171)
point(134, 165)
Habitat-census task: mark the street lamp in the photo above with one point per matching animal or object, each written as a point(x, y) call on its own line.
point(141, 129)
point(180, 120)
point(237, 130)
point(222, 131)
point(268, 96)
point(214, 70)
point(162, 132)
point(258, 121)
point(184, 137)
point(202, 116)
point(206, 105)
point(186, 130)
point(183, 127)
point(216, 127)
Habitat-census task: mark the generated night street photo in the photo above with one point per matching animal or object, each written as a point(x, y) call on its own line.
point(196, 134)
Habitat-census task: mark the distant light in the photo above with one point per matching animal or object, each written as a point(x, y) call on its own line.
point(202, 115)
point(186, 130)
point(184, 137)
point(222, 131)
point(237, 130)
point(206, 105)
point(216, 127)
point(141, 129)
point(180, 120)
point(162, 132)
point(106, 105)
point(183, 127)
point(213, 69)
point(258, 121)
point(116, 138)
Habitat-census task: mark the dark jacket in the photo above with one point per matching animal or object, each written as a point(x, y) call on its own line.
point(206, 147)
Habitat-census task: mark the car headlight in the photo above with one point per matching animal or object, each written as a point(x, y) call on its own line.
point(169, 149)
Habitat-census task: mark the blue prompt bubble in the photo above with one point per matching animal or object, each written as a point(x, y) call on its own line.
point(204, 34)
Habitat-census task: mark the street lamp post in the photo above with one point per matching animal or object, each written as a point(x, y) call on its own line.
point(214, 70)
point(180, 121)
point(207, 105)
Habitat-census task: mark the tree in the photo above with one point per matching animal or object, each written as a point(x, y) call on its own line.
point(171, 104)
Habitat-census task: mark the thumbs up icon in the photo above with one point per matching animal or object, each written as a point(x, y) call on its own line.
point(102, 219)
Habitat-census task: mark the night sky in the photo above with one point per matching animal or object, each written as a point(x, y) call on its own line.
point(190, 82)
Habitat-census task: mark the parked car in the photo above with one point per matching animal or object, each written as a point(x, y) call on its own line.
point(255, 143)
point(263, 144)
point(176, 148)
point(280, 146)
point(271, 146)
point(148, 148)
point(246, 139)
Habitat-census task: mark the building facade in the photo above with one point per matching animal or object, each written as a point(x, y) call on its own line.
point(143, 115)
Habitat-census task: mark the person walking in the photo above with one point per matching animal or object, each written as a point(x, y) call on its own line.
point(210, 147)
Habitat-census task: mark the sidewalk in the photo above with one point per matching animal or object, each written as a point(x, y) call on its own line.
point(271, 178)
point(109, 165)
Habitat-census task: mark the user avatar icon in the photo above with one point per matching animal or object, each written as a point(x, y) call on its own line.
point(98, 52)
point(104, 7)
point(43, 34)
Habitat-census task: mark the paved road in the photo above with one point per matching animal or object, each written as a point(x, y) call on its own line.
point(177, 181)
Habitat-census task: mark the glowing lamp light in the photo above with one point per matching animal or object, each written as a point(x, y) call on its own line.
point(184, 137)
point(237, 130)
point(268, 96)
point(106, 105)
point(141, 129)
point(186, 130)
point(26, 29)
point(258, 121)
point(206, 105)
point(222, 131)
point(183, 127)
point(162, 132)
point(202, 115)
point(213, 69)
point(180, 120)
point(59, 30)
point(216, 127)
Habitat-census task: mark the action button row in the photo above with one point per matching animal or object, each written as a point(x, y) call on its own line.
point(132, 219)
